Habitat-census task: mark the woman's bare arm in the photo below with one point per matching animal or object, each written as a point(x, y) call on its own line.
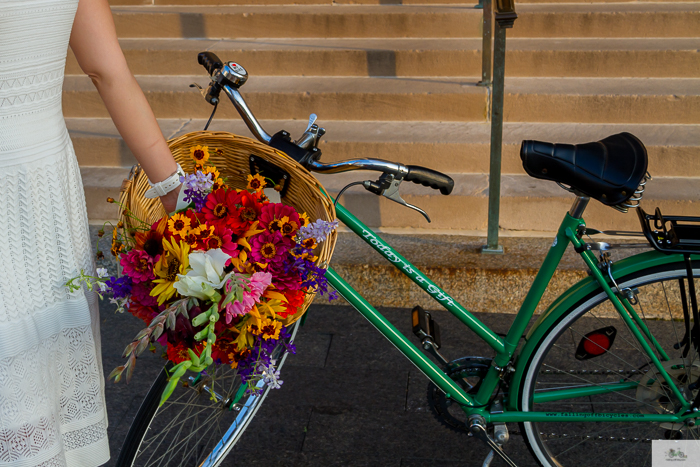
point(94, 43)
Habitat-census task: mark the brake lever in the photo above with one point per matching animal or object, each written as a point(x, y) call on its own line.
point(388, 187)
point(201, 90)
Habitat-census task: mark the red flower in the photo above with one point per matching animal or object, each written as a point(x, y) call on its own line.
point(144, 313)
point(295, 299)
point(222, 348)
point(177, 353)
point(248, 211)
point(219, 207)
point(222, 238)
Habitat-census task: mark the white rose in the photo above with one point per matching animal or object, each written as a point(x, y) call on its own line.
point(206, 273)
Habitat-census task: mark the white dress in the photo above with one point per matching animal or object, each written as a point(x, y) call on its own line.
point(52, 410)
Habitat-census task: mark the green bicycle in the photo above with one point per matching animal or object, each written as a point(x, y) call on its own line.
point(610, 366)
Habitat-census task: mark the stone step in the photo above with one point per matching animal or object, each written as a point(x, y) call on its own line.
point(526, 203)
point(386, 21)
point(674, 150)
point(526, 57)
point(576, 100)
point(356, 2)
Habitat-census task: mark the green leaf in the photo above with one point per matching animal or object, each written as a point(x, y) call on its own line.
point(129, 348)
point(157, 332)
point(116, 374)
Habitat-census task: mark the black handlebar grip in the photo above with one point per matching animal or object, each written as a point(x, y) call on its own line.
point(210, 61)
point(432, 178)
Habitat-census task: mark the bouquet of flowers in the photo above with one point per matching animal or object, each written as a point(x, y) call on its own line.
point(215, 282)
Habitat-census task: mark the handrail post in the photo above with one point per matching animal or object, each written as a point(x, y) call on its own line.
point(486, 43)
point(505, 17)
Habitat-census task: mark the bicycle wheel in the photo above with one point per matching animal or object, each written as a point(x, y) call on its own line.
point(197, 425)
point(554, 364)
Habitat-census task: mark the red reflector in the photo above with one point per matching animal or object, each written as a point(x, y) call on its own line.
point(596, 344)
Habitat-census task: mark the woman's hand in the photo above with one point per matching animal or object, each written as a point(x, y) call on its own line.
point(170, 200)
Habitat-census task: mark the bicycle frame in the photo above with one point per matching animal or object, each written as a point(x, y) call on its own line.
point(506, 348)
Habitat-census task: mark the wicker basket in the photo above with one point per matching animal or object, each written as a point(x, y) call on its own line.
point(303, 192)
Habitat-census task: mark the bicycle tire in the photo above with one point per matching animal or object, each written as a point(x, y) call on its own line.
point(153, 425)
point(564, 444)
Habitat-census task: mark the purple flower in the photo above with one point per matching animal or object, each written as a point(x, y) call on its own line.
point(311, 275)
point(197, 187)
point(318, 230)
point(120, 287)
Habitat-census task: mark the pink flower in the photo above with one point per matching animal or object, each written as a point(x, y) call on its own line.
point(270, 247)
point(258, 283)
point(138, 265)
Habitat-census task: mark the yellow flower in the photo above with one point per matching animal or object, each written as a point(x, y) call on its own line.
point(218, 183)
point(273, 306)
point(270, 329)
point(210, 169)
point(173, 261)
point(179, 224)
point(203, 231)
point(200, 154)
point(304, 220)
point(287, 227)
point(256, 182)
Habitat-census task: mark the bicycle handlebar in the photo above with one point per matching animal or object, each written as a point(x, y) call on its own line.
point(210, 61)
point(430, 178)
point(230, 76)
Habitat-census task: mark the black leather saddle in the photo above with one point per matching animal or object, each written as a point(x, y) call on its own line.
point(609, 170)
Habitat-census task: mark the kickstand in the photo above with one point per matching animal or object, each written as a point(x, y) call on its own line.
point(477, 428)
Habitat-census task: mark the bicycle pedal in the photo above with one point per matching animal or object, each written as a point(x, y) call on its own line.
point(425, 328)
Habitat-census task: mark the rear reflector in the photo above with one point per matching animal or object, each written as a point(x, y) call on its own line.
point(596, 343)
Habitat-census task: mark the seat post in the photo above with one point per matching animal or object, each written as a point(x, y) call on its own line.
point(579, 206)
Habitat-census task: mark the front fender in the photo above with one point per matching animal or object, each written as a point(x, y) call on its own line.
point(566, 302)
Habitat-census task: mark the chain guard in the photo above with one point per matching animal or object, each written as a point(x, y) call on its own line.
point(468, 372)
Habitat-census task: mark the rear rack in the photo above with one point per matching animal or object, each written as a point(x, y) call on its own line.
point(671, 234)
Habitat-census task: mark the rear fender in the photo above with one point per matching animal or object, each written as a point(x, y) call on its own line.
point(569, 300)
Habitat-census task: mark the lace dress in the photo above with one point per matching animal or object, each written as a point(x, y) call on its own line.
point(52, 410)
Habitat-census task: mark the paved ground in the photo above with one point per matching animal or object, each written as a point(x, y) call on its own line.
point(349, 398)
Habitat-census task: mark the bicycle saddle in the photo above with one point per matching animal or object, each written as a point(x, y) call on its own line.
point(609, 170)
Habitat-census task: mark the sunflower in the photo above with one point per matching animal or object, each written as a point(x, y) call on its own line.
point(152, 241)
point(200, 154)
point(179, 224)
point(174, 261)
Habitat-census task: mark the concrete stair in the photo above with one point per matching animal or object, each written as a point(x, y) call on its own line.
point(397, 80)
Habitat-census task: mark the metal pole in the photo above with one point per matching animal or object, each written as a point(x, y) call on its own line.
point(486, 44)
point(499, 59)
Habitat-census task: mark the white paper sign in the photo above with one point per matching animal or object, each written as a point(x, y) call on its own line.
point(677, 453)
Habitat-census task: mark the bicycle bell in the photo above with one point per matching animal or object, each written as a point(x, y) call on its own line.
point(235, 73)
